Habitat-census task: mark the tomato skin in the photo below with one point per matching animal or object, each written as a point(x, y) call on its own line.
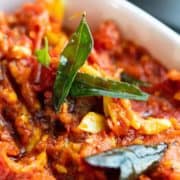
point(46, 81)
point(107, 37)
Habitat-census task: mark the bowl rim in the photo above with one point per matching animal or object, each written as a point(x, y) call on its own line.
point(161, 41)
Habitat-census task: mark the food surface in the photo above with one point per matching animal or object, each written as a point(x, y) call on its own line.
point(74, 109)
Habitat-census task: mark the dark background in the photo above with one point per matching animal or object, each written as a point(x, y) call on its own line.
point(167, 11)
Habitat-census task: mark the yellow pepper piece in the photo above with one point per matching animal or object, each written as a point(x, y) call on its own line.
point(56, 38)
point(90, 70)
point(135, 121)
point(153, 126)
point(11, 97)
point(92, 122)
point(61, 168)
point(34, 140)
point(106, 102)
point(56, 8)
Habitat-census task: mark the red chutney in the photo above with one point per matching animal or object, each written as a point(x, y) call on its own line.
point(37, 143)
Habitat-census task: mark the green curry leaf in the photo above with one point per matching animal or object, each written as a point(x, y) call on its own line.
point(42, 55)
point(72, 58)
point(87, 85)
point(129, 79)
point(131, 160)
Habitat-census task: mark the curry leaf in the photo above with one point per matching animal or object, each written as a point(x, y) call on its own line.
point(72, 58)
point(131, 160)
point(42, 54)
point(87, 85)
point(127, 78)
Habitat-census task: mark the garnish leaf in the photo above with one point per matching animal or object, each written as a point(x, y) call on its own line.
point(87, 85)
point(43, 55)
point(131, 160)
point(72, 58)
point(68, 80)
point(127, 78)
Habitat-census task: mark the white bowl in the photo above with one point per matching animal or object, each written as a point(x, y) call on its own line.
point(135, 24)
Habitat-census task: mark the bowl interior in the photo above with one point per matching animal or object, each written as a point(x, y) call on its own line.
point(135, 24)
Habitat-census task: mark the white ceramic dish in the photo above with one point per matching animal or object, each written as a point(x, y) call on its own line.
point(135, 24)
